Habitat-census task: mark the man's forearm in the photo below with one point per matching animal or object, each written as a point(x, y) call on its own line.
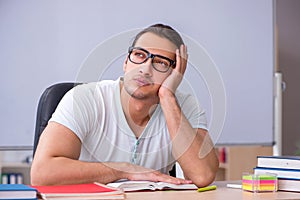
point(192, 148)
point(61, 170)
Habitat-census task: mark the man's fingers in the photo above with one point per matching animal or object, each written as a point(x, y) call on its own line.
point(156, 176)
point(171, 179)
point(184, 57)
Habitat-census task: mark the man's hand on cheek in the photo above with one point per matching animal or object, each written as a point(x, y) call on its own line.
point(172, 82)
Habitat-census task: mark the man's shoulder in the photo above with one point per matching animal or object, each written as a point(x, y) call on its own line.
point(186, 99)
point(182, 96)
point(96, 85)
point(108, 83)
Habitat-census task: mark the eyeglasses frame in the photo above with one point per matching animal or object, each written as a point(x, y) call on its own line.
point(152, 56)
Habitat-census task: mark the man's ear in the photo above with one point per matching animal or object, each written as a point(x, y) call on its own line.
point(125, 64)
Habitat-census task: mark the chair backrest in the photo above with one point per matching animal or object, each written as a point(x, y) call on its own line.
point(47, 105)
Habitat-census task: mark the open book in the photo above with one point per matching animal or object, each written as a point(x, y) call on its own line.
point(128, 186)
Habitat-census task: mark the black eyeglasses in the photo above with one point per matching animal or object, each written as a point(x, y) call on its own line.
point(160, 63)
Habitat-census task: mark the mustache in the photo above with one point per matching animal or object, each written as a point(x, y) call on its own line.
point(143, 80)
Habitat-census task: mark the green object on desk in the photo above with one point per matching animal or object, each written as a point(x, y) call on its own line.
point(208, 188)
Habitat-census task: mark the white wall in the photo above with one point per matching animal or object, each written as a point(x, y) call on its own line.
point(43, 42)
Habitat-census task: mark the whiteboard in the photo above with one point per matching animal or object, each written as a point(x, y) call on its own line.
point(45, 42)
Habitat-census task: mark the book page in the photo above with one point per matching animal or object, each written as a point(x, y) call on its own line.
point(134, 185)
point(163, 185)
point(148, 185)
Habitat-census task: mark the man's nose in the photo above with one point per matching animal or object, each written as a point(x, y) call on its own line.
point(146, 67)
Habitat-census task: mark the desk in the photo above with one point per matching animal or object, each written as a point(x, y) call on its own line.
point(221, 193)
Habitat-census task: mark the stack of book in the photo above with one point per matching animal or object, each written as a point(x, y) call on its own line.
point(79, 191)
point(17, 191)
point(286, 168)
point(60, 192)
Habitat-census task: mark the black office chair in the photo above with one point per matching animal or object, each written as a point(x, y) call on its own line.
point(47, 105)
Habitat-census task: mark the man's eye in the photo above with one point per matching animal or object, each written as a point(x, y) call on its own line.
point(139, 54)
point(162, 63)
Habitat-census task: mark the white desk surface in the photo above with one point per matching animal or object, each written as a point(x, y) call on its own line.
point(221, 193)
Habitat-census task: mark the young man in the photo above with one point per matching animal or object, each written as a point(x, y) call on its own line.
point(133, 128)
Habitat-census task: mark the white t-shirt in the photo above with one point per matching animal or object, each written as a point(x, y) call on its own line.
point(94, 113)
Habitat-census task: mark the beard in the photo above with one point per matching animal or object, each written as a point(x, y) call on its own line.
point(138, 92)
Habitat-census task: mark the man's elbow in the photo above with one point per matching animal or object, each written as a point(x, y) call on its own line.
point(34, 178)
point(37, 175)
point(205, 179)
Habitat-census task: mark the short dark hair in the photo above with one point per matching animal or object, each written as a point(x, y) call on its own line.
point(164, 31)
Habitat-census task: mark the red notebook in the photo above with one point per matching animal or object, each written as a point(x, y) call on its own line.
point(79, 191)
